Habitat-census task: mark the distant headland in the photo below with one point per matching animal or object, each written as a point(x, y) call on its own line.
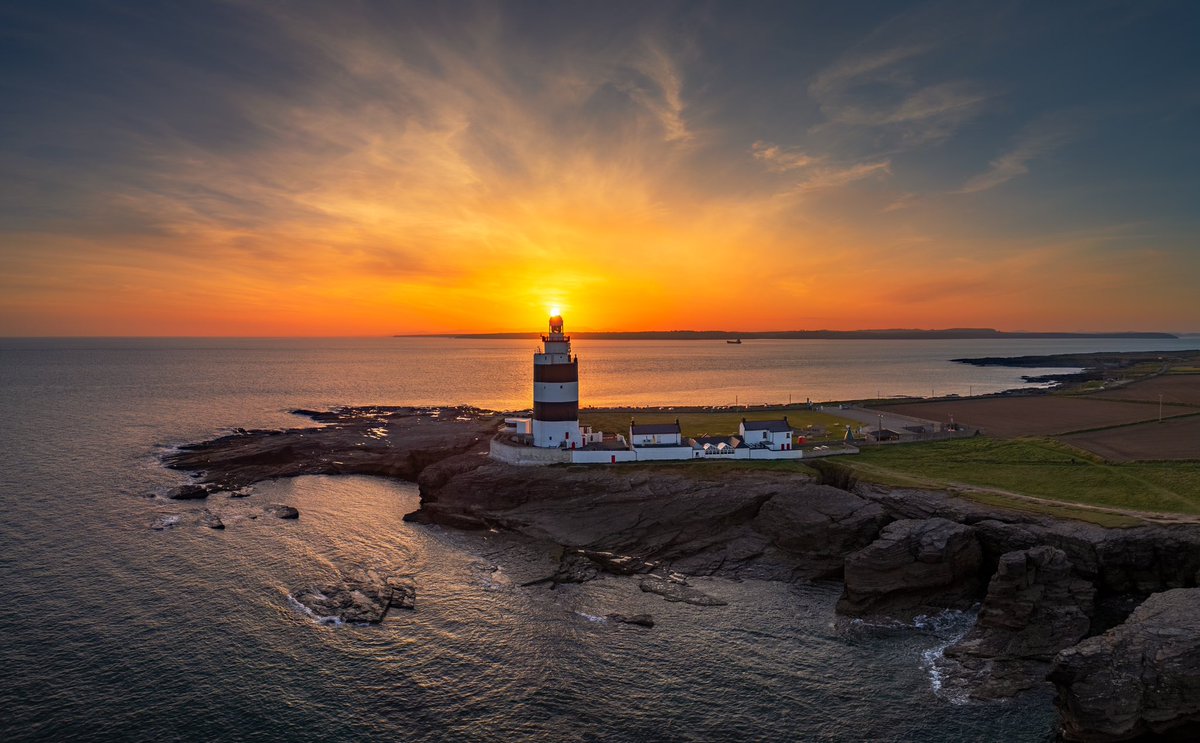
point(883, 334)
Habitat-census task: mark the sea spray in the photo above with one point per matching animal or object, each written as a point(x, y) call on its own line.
point(949, 627)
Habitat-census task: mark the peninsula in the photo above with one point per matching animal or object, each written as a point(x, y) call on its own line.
point(1103, 608)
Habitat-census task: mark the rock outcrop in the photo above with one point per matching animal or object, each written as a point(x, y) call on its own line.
point(672, 590)
point(385, 441)
point(1035, 607)
point(280, 511)
point(359, 599)
point(581, 566)
point(914, 567)
point(1140, 678)
point(192, 491)
point(203, 517)
point(695, 519)
point(641, 620)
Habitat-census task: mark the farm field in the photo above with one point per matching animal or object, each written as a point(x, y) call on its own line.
point(1176, 438)
point(1176, 389)
point(1034, 415)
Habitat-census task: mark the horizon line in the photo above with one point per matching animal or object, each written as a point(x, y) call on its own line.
point(529, 333)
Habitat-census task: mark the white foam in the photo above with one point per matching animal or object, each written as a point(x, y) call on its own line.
point(325, 621)
point(949, 627)
point(591, 617)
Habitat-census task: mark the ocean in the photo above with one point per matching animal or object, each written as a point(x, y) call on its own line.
point(112, 631)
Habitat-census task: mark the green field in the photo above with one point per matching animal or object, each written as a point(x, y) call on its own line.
point(718, 422)
point(1036, 467)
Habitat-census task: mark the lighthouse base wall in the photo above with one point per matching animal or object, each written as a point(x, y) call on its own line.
point(527, 456)
point(555, 434)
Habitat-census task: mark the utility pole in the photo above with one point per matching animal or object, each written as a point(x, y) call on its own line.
point(1160, 408)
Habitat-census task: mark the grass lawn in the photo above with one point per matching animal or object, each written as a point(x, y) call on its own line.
point(719, 422)
point(1037, 467)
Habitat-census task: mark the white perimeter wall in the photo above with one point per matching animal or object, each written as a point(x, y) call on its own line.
point(580, 456)
point(527, 455)
point(646, 454)
point(776, 454)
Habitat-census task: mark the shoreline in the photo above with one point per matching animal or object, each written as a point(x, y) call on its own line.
point(898, 552)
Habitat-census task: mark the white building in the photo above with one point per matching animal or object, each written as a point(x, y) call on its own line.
point(655, 434)
point(774, 435)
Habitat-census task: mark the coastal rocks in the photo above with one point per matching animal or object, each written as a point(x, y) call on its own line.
point(1035, 607)
point(641, 620)
point(280, 511)
point(913, 567)
point(698, 520)
point(192, 491)
point(678, 591)
point(388, 442)
point(572, 568)
point(165, 521)
point(581, 566)
point(820, 523)
point(359, 599)
point(1140, 678)
point(404, 593)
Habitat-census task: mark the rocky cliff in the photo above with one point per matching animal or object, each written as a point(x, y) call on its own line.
point(1139, 679)
point(764, 523)
point(1036, 605)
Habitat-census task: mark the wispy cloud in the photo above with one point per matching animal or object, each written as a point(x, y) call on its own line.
point(879, 90)
point(1030, 145)
point(814, 173)
point(779, 159)
point(668, 104)
point(836, 177)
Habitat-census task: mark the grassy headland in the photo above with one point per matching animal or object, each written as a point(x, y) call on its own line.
point(720, 422)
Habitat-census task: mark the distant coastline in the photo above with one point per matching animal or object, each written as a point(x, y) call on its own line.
point(888, 334)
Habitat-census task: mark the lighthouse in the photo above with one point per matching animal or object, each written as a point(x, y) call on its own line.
point(556, 391)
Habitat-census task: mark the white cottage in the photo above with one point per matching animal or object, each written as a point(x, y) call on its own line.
point(655, 434)
point(775, 435)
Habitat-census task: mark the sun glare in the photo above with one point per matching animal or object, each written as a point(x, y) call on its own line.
point(554, 312)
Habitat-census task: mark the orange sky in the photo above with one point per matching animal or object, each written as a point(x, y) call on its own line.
point(417, 180)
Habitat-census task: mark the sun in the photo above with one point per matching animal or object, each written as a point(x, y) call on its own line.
point(554, 312)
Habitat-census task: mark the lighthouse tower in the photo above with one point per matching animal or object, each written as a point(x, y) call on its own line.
point(556, 391)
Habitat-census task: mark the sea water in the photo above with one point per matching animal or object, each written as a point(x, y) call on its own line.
point(110, 630)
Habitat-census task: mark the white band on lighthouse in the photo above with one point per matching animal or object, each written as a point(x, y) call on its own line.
point(556, 392)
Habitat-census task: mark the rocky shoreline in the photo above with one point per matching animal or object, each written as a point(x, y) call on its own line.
point(1055, 595)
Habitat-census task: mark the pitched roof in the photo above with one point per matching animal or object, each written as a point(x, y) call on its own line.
point(779, 426)
point(651, 428)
